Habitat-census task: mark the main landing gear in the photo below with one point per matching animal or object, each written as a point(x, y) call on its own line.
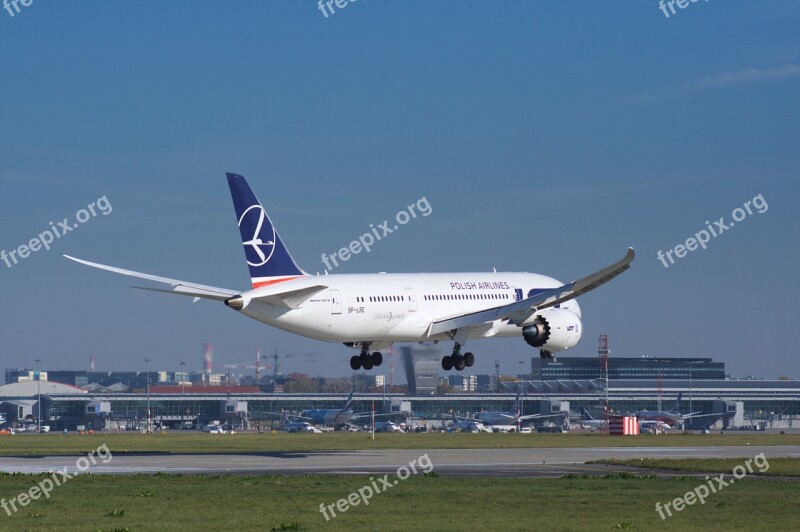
point(365, 359)
point(457, 360)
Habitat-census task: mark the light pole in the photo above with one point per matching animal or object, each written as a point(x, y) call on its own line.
point(522, 390)
point(147, 376)
point(383, 405)
point(183, 383)
point(38, 398)
point(690, 384)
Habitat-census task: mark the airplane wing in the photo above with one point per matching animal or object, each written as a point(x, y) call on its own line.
point(692, 416)
point(302, 418)
point(369, 414)
point(290, 299)
point(198, 291)
point(520, 311)
point(538, 416)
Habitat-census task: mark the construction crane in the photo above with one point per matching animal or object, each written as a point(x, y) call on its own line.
point(257, 365)
point(602, 353)
point(276, 365)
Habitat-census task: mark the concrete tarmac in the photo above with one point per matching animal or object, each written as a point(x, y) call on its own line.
point(545, 463)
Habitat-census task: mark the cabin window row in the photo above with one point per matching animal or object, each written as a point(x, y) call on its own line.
point(380, 299)
point(461, 297)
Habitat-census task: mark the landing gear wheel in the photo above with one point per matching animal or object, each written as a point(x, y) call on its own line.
point(458, 363)
point(447, 363)
point(469, 359)
point(377, 358)
point(355, 363)
point(366, 360)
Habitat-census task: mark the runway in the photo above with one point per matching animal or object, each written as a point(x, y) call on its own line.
point(544, 463)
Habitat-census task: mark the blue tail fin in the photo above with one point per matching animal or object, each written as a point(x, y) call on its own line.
point(267, 258)
point(349, 402)
point(677, 407)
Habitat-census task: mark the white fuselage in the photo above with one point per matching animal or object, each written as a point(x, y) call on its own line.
point(330, 416)
point(395, 307)
point(470, 426)
point(298, 426)
point(497, 418)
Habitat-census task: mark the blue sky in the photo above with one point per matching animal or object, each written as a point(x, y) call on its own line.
point(547, 137)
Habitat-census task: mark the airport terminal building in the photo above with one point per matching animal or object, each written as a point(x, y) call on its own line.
point(559, 389)
point(589, 368)
point(740, 403)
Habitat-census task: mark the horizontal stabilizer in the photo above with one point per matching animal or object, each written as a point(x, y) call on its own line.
point(290, 299)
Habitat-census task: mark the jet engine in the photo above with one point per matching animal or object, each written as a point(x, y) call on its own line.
point(553, 330)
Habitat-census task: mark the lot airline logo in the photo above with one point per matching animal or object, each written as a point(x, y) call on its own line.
point(260, 248)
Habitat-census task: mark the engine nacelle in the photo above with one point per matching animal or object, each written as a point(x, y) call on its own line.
point(553, 330)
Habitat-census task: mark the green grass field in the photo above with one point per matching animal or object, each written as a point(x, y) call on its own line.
point(192, 442)
point(781, 467)
point(163, 502)
point(268, 502)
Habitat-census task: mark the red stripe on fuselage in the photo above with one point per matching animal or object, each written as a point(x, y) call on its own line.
point(274, 281)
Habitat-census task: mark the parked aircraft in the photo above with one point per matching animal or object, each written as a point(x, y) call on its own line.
point(299, 426)
point(335, 417)
point(588, 422)
point(513, 418)
point(672, 417)
point(469, 425)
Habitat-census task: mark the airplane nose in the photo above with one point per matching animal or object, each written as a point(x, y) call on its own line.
point(235, 302)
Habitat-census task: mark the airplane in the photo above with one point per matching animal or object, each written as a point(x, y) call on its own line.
point(372, 311)
point(3, 419)
point(672, 417)
point(330, 416)
point(387, 426)
point(469, 425)
point(335, 417)
point(299, 426)
point(504, 421)
point(509, 418)
point(588, 422)
point(600, 424)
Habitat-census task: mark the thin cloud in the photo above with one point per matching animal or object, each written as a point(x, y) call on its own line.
point(750, 75)
point(728, 79)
